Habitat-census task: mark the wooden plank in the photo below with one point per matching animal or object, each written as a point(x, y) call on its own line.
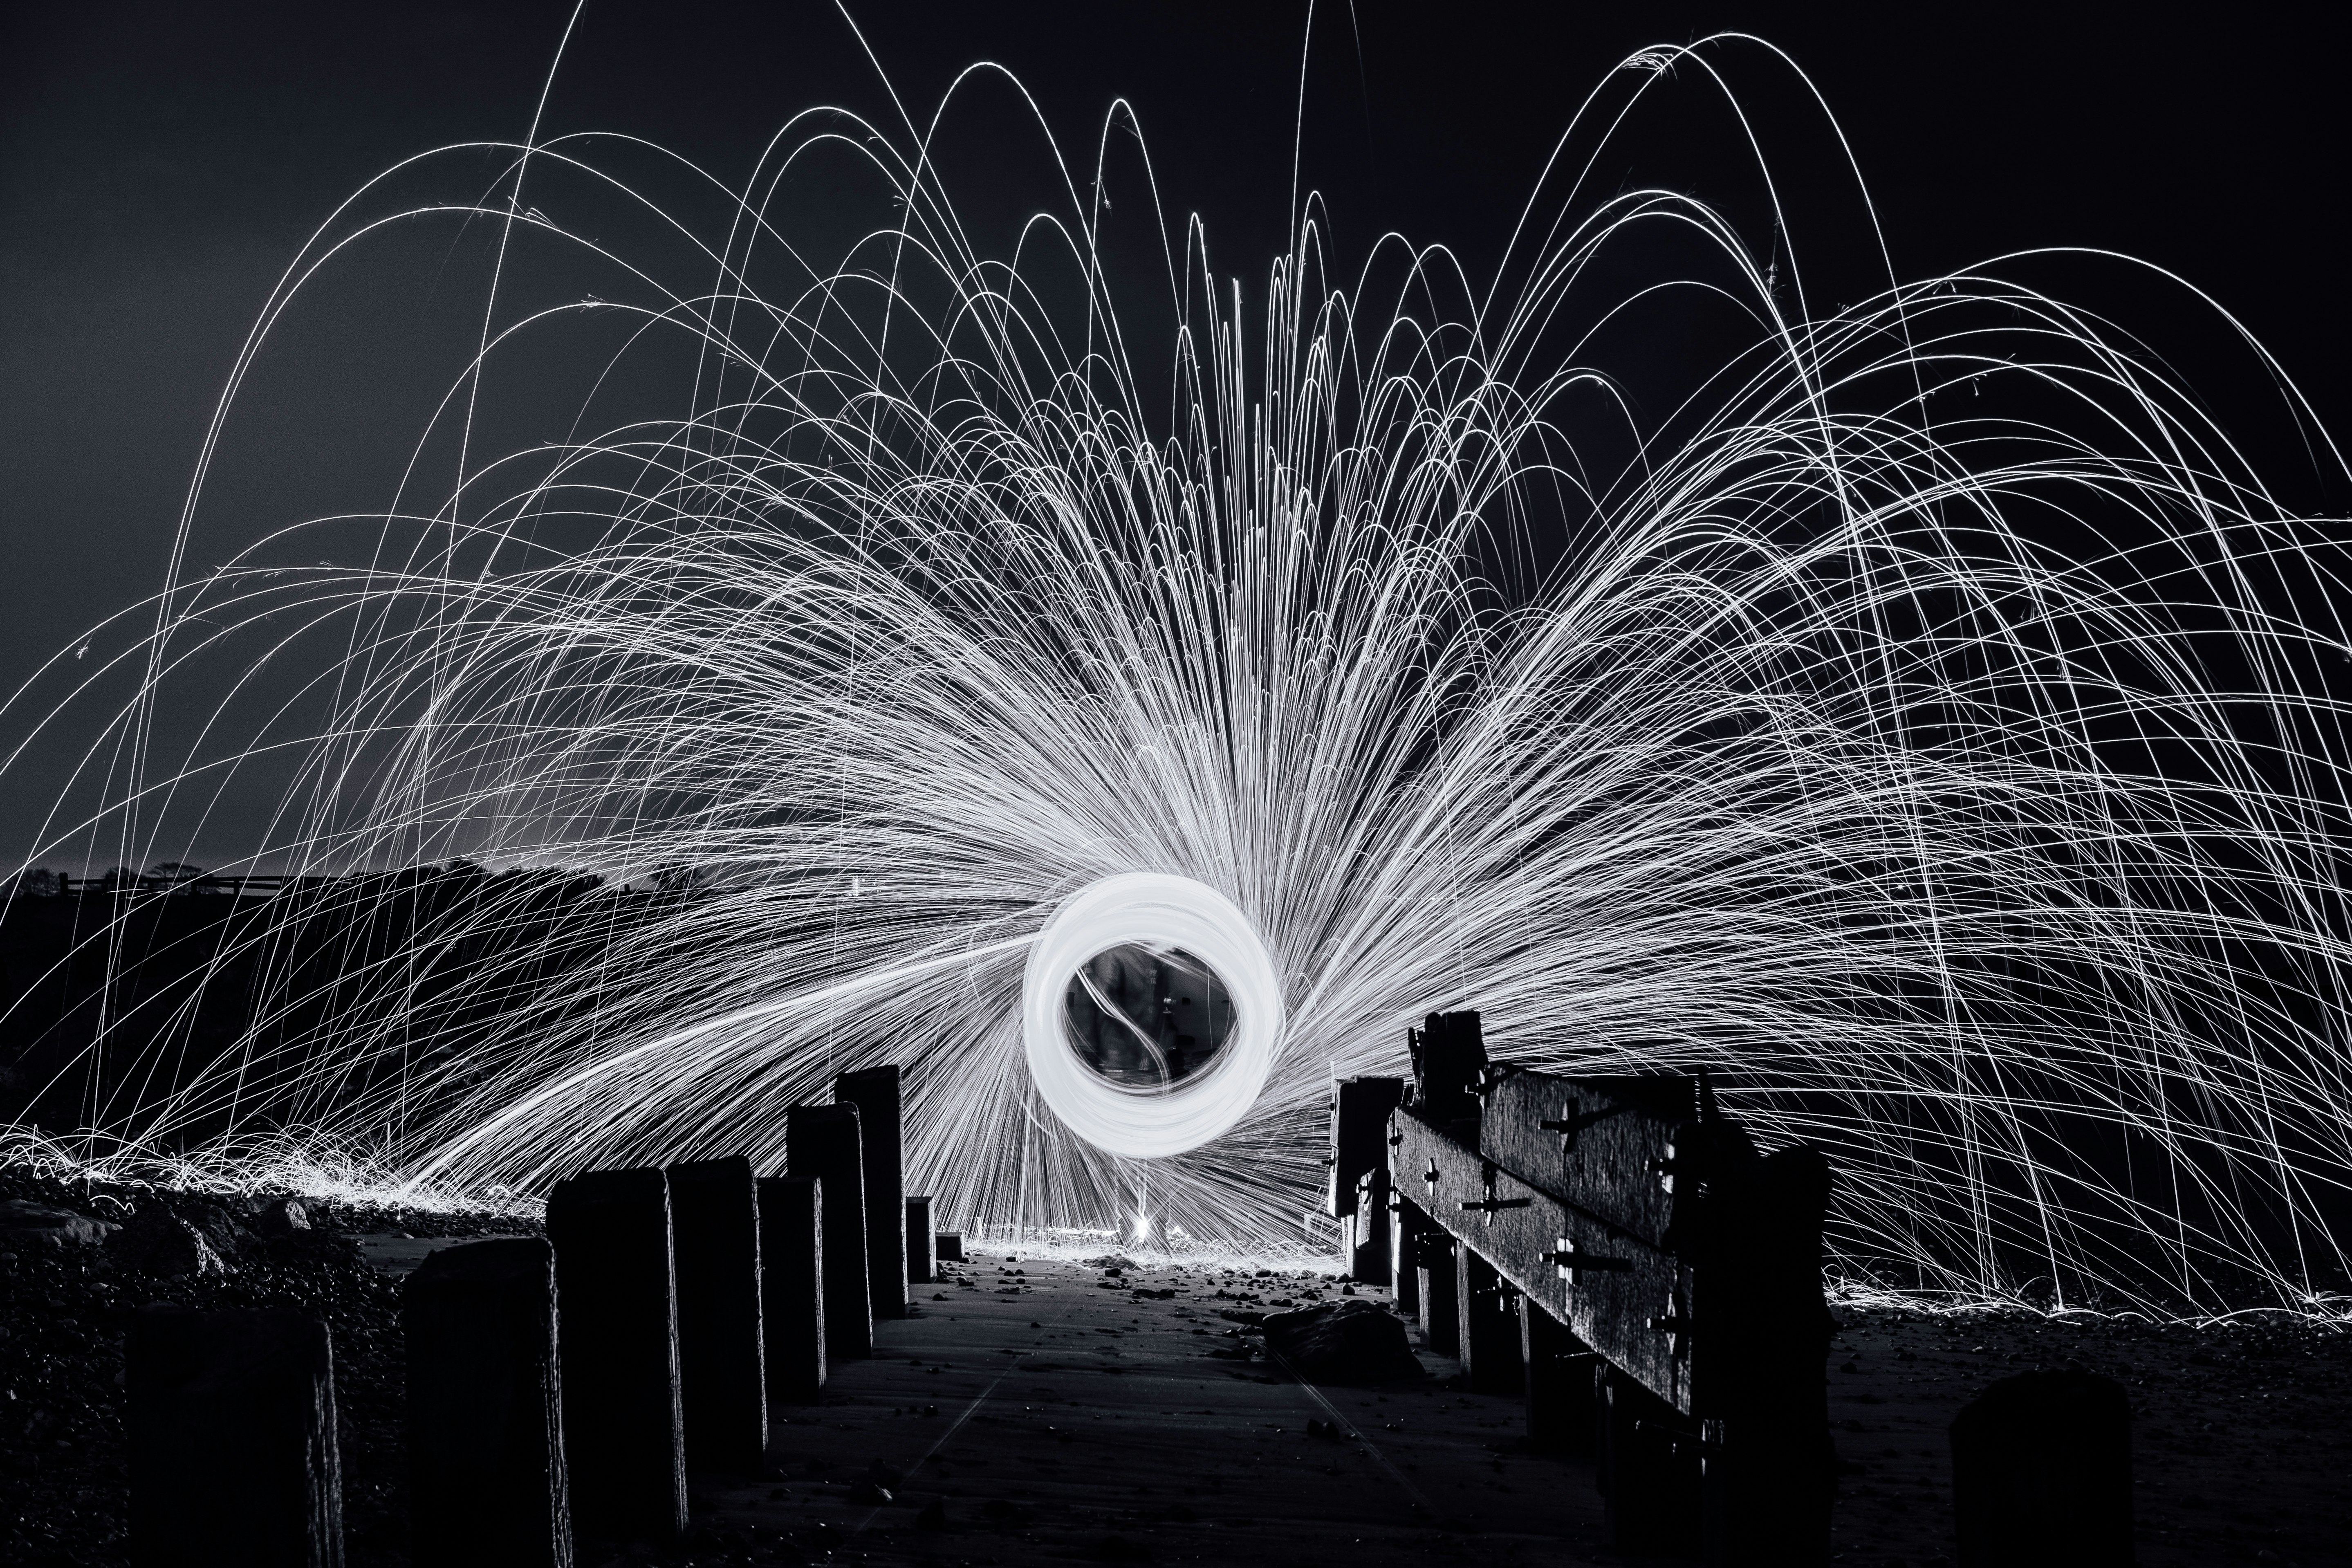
point(1596, 1143)
point(1631, 1301)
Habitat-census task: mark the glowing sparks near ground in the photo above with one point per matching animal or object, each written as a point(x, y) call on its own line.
point(1959, 782)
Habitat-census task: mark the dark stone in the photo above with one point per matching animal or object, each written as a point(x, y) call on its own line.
point(231, 1439)
point(161, 1242)
point(306, 1244)
point(824, 1143)
point(878, 1485)
point(2042, 1473)
point(487, 1485)
point(1487, 1339)
point(226, 1233)
point(947, 1247)
point(875, 1093)
point(1342, 1342)
point(791, 1286)
point(922, 1266)
point(715, 1227)
point(24, 1224)
point(617, 1301)
point(281, 1216)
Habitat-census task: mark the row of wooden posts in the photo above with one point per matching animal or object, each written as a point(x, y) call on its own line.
point(555, 1387)
point(1619, 1252)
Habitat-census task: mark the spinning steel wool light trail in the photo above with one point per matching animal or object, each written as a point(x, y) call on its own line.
point(1925, 726)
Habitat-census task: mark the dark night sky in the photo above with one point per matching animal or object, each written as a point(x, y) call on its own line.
point(158, 163)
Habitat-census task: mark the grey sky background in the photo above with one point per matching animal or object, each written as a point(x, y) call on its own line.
point(159, 165)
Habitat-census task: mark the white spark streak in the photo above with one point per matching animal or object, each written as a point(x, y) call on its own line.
point(1960, 781)
point(1152, 910)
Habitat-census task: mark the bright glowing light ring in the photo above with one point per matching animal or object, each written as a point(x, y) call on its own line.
point(1152, 910)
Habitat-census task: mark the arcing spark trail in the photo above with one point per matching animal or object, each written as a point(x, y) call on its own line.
point(1924, 727)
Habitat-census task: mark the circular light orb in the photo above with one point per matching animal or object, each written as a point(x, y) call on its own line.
point(1156, 913)
point(1146, 1017)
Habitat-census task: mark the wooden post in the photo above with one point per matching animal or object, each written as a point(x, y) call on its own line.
point(1449, 1059)
point(923, 1260)
point(1369, 1226)
point(791, 1286)
point(1433, 1271)
point(1406, 1223)
point(1560, 1368)
point(1650, 1476)
point(715, 1219)
point(875, 1093)
point(1770, 1466)
point(616, 1334)
point(2042, 1473)
point(947, 1247)
point(1489, 1332)
point(824, 1142)
point(1361, 1107)
point(231, 1439)
point(487, 1487)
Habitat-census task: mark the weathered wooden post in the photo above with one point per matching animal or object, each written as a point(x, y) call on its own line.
point(1433, 1272)
point(923, 1243)
point(1361, 1107)
point(486, 1486)
point(1650, 1475)
point(1561, 1377)
point(1449, 1064)
point(824, 1142)
point(1406, 1224)
point(2042, 1473)
point(722, 1362)
point(1754, 1240)
point(883, 1163)
point(616, 1334)
point(791, 1286)
point(231, 1439)
point(1488, 1334)
point(1368, 1226)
